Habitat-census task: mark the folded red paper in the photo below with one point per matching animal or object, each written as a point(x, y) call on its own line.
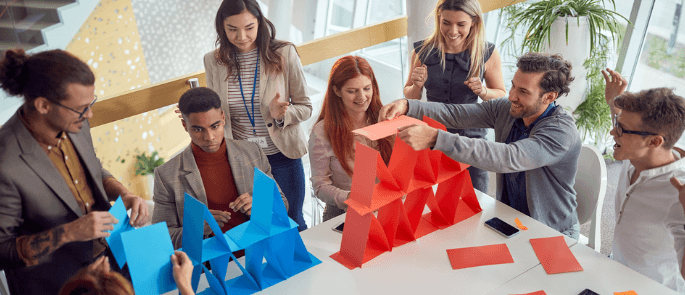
point(479, 256)
point(387, 128)
point(625, 293)
point(400, 221)
point(554, 255)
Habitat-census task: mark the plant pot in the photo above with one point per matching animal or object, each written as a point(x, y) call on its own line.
point(150, 185)
point(576, 51)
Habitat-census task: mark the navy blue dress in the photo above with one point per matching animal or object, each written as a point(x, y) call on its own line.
point(447, 86)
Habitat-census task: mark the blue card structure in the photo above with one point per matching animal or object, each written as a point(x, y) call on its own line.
point(148, 253)
point(118, 210)
point(269, 234)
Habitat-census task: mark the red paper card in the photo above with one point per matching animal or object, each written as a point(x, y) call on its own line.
point(554, 255)
point(534, 293)
point(387, 128)
point(625, 293)
point(479, 256)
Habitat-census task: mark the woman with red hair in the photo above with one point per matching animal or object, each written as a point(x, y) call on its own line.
point(352, 101)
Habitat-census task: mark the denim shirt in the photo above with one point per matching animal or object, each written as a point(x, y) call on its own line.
point(514, 188)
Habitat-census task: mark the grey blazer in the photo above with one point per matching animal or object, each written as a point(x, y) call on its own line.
point(180, 175)
point(34, 198)
point(288, 138)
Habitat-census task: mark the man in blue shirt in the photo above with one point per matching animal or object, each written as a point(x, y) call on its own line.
point(536, 148)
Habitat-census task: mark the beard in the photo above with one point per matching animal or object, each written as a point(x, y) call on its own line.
point(526, 112)
point(58, 124)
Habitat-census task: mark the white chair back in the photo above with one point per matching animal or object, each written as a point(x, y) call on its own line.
point(590, 187)
point(317, 209)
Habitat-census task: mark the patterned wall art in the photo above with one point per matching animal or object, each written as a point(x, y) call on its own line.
point(175, 35)
point(110, 43)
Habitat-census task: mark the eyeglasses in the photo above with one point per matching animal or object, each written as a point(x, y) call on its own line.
point(80, 114)
point(620, 131)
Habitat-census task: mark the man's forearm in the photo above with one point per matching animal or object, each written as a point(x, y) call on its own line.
point(114, 188)
point(33, 248)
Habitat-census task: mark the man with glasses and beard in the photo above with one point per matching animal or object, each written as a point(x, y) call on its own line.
point(537, 144)
point(54, 192)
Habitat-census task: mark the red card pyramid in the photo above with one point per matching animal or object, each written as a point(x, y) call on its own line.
point(411, 173)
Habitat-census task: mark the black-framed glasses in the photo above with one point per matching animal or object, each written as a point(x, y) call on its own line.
point(620, 131)
point(80, 114)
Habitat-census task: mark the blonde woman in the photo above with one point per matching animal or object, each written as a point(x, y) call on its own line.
point(452, 62)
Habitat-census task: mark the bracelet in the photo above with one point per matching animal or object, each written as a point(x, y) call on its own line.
point(486, 93)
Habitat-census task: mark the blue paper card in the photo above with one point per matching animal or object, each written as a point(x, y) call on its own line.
point(149, 251)
point(118, 210)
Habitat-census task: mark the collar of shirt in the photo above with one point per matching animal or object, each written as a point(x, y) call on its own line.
point(658, 171)
point(520, 131)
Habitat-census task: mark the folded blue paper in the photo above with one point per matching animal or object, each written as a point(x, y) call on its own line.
point(149, 251)
point(269, 234)
point(118, 210)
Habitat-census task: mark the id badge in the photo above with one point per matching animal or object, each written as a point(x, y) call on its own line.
point(261, 141)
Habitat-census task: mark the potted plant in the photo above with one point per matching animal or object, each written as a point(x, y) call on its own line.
point(586, 30)
point(145, 166)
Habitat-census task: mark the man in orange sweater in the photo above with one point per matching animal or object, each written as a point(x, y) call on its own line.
point(217, 171)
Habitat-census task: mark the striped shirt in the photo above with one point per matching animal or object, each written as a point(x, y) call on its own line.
point(240, 122)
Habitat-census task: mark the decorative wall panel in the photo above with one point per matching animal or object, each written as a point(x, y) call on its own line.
point(110, 43)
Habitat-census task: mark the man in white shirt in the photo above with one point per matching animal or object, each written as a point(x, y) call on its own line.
point(650, 222)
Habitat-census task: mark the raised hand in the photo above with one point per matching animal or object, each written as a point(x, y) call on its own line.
point(242, 204)
point(140, 214)
point(393, 110)
point(418, 137)
point(221, 217)
point(91, 226)
point(476, 86)
point(182, 268)
point(615, 85)
point(419, 75)
point(278, 108)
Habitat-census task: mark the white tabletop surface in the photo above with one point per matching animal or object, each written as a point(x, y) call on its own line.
point(420, 267)
point(601, 275)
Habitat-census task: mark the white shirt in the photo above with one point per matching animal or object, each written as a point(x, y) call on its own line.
point(650, 223)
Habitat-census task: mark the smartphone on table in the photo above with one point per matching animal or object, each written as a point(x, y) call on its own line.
point(502, 227)
point(339, 227)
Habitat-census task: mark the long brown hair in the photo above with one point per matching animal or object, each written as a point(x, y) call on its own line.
point(266, 37)
point(475, 41)
point(338, 125)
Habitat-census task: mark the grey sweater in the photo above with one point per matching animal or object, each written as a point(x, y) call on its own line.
point(549, 156)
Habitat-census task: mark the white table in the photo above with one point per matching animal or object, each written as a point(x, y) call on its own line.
point(601, 274)
point(422, 267)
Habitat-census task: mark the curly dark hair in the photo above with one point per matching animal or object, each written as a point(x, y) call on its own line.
point(557, 77)
point(198, 100)
point(662, 112)
point(45, 74)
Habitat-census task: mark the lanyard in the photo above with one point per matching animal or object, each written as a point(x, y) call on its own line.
point(254, 86)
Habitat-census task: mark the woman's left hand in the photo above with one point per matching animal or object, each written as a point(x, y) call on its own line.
point(476, 86)
point(278, 108)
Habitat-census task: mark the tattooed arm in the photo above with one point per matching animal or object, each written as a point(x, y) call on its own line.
point(88, 227)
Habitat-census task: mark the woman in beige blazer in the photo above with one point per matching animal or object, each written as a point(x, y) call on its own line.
point(263, 93)
point(352, 101)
